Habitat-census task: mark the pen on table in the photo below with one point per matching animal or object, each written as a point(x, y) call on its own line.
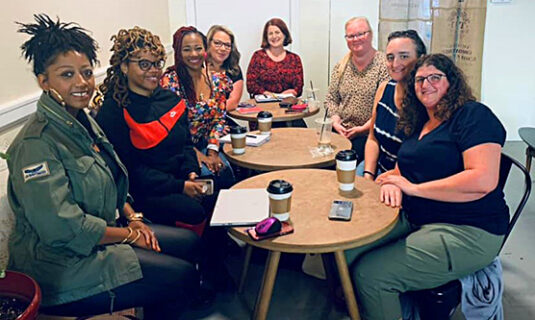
point(250, 136)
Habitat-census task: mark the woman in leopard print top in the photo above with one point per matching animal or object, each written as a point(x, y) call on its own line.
point(354, 81)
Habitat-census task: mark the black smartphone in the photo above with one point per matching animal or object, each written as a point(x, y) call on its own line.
point(341, 210)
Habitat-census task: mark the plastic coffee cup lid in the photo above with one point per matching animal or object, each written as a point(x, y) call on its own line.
point(346, 155)
point(279, 187)
point(238, 130)
point(264, 114)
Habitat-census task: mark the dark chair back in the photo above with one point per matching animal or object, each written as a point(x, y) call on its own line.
point(440, 302)
point(505, 167)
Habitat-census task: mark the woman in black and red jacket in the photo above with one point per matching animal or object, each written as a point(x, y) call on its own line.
point(149, 129)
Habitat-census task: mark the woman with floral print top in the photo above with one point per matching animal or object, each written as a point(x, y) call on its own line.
point(206, 117)
point(205, 94)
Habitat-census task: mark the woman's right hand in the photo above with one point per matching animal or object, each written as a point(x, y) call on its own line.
point(338, 127)
point(368, 176)
point(193, 189)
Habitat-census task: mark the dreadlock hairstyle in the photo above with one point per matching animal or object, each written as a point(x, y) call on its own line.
point(126, 44)
point(232, 63)
point(413, 113)
point(49, 39)
point(186, 81)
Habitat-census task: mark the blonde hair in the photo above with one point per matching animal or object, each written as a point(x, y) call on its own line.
point(358, 19)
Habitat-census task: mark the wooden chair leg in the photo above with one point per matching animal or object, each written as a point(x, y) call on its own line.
point(245, 268)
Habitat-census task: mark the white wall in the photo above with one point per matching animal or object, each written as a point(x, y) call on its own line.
point(341, 11)
point(508, 77)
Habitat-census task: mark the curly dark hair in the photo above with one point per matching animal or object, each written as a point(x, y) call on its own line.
point(50, 39)
point(126, 44)
point(186, 82)
point(413, 113)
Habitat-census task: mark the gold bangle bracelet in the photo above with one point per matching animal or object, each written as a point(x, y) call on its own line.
point(130, 231)
point(136, 238)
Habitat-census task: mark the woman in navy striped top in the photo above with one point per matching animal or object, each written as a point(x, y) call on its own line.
point(380, 154)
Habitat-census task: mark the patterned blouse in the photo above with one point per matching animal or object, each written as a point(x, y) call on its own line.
point(206, 118)
point(351, 92)
point(264, 74)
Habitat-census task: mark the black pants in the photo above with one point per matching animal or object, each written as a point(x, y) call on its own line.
point(168, 208)
point(169, 281)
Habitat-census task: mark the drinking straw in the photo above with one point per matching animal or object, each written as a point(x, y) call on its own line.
point(324, 116)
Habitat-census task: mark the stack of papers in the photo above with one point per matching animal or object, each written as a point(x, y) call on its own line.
point(271, 97)
point(251, 140)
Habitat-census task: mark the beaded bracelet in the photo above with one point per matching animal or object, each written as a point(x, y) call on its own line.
point(130, 231)
point(136, 238)
point(370, 173)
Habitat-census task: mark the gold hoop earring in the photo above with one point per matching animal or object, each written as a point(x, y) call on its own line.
point(52, 93)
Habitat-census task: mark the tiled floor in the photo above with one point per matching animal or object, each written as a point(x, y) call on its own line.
point(299, 296)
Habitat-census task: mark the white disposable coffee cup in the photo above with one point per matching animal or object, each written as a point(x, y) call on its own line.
point(280, 199)
point(265, 120)
point(237, 138)
point(346, 165)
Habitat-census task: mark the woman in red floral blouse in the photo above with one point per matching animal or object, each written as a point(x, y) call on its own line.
point(205, 96)
point(273, 69)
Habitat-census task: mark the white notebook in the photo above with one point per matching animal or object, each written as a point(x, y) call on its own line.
point(252, 140)
point(240, 207)
point(274, 97)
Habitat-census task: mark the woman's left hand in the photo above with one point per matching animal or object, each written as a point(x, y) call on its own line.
point(391, 195)
point(399, 181)
point(216, 163)
point(147, 233)
point(354, 132)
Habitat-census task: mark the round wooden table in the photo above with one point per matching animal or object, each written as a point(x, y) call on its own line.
point(314, 191)
point(278, 113)
point(528, 135)
point(288, 148)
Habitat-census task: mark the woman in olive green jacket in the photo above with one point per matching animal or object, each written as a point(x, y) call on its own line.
point(67, 187)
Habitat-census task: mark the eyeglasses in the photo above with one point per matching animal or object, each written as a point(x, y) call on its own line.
point(218, 44)
point(145, 64)
point(356, 35)
point(433, 78)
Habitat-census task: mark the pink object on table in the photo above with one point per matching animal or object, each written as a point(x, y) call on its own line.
point(249, 110)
